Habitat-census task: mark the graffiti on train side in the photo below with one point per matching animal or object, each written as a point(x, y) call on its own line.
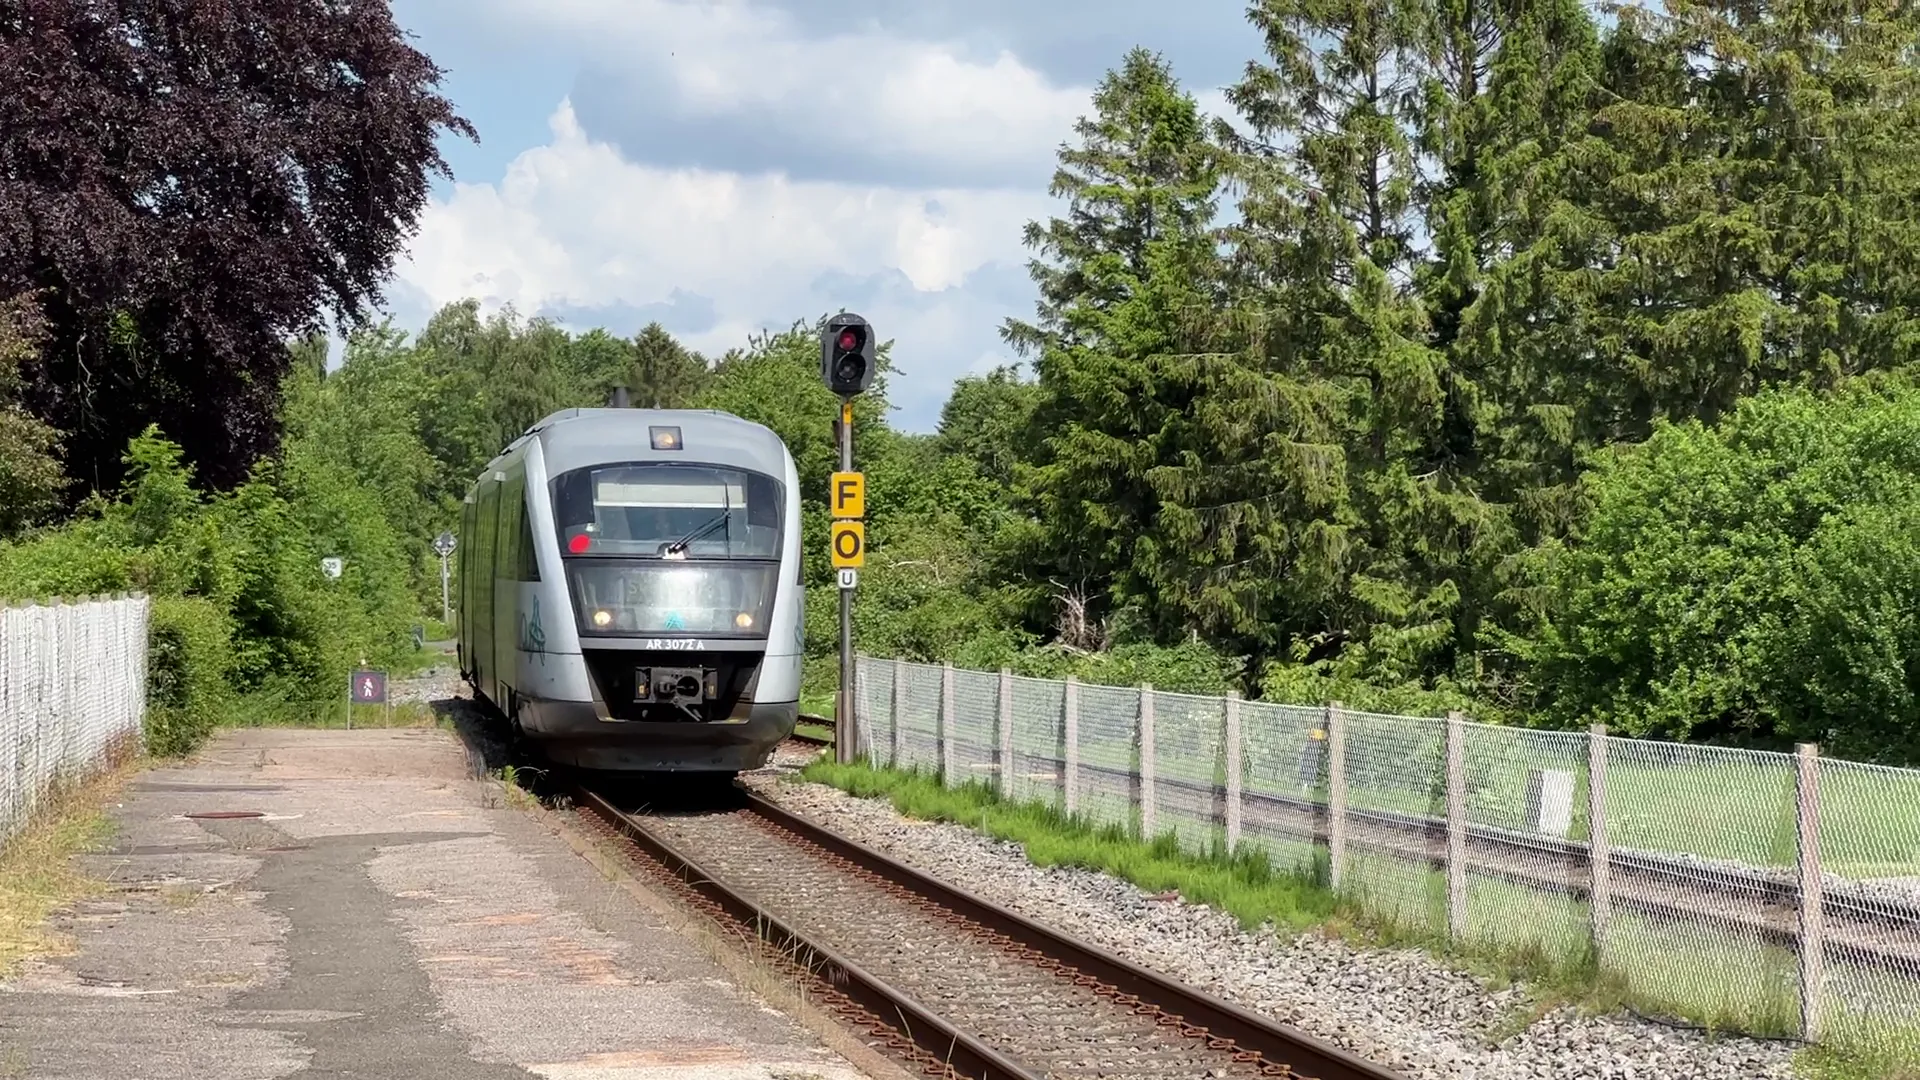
point(533, 637)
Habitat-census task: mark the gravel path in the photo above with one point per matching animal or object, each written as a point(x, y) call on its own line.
point(1400, 1008)
point(440, 682)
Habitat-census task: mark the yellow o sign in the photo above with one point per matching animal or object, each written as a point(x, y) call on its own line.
point(849, 544)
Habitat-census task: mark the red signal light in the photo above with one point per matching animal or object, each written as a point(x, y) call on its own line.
point(849, 340)
point(579, 544)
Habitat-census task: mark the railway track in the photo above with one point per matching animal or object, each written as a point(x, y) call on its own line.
point(1871, 931)
point(955, 984)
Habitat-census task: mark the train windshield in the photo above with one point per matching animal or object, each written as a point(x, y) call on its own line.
point(667, 548)
point(618, 596)
point(669, 511)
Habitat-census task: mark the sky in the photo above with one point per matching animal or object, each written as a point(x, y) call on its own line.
point(725, 167)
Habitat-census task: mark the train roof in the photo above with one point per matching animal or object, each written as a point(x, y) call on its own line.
point(575, 438)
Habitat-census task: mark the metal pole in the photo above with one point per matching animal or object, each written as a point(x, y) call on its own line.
point(843, 737)
point(446, 612)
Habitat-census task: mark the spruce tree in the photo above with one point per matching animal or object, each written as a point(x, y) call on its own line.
point(1108, 488)
point(1762, 181)
point(665, 373)
point(1330, 250)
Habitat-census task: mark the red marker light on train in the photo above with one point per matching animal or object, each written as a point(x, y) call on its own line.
point(579, 544)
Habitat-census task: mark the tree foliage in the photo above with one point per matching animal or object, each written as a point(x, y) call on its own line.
point(1757, 580)
point(31, 478)
point(187, 184)
point(1484, 357)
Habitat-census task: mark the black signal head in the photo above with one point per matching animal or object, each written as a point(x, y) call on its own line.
point(846, 355)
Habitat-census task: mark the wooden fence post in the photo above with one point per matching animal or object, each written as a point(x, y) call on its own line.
point(1233, 771)
point(1006, 733)
point(1813, 951)
point(1600, 892)
point(1147, 814)
point(946, 724)
point(1070, 734)
point(899, 706)
point(1456, 826)
point(1336, 795)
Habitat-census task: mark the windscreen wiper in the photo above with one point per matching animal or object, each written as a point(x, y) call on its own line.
point(680, 545)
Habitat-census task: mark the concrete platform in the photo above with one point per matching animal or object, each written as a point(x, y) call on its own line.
point(388, 916)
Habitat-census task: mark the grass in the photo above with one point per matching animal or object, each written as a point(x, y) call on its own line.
point(37, 875)
point(817, 704)
point(816, 730)
point(1710, 802)
point(266, 711)
point(1246, 886)
point(1514, 934)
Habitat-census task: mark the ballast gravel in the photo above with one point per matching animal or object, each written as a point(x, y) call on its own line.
point(1399, 1008)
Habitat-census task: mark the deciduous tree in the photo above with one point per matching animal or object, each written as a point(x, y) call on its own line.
point(193, 182)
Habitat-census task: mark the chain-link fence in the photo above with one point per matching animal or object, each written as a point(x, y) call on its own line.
point(1776, 894)
point(72, 694)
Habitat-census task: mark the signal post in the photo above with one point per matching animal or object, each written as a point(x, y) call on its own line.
point(846, 363)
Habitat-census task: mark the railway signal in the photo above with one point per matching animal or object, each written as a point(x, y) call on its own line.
point(846, 365)
point(846, 355)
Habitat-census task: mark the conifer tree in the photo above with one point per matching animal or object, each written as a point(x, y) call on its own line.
point(1763, 178)
point(1329, 250)
point(1113, 451)
point(665, 373)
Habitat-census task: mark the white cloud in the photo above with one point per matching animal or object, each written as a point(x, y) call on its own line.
point(730, 58)
point(573, 224)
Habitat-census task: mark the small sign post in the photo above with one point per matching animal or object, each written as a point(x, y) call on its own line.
point(368, 687)
point(443, 547)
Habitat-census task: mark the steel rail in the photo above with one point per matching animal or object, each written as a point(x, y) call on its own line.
point(926, 1030)
point(1302, 1053)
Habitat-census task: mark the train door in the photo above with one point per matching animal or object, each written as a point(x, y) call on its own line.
point(463, 573)
point(507, 561)
point(485, 568)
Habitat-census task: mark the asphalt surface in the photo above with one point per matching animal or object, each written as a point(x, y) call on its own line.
point(387, 916)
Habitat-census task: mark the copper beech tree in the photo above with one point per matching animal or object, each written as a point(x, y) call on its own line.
point(185, 186)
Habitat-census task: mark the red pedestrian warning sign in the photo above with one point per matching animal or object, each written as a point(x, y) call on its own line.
point(369, 687)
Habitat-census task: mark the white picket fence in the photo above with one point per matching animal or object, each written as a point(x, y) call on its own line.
point(73, 677)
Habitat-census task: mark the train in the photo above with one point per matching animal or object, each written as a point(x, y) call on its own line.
point(630, 591)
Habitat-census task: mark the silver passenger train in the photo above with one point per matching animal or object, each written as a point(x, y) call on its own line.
point(630, 591)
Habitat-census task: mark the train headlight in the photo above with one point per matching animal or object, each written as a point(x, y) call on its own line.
point(743, 620)
point(603, 618)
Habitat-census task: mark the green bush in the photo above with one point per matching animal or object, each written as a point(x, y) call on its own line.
point(1755, 582)
point(241, 605)
point(189, 652)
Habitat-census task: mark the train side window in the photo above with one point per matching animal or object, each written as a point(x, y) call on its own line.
point(573, 500)
point(529, 565)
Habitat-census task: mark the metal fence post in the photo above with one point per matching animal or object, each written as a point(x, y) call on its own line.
point(946, 724)
point(1336, 795)
point(1070, 734)
point(1600, 893)
point(1456, 827)
point(1233, 771)
point(1147, 814)
point(1006, 733)
point(1812, 925)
